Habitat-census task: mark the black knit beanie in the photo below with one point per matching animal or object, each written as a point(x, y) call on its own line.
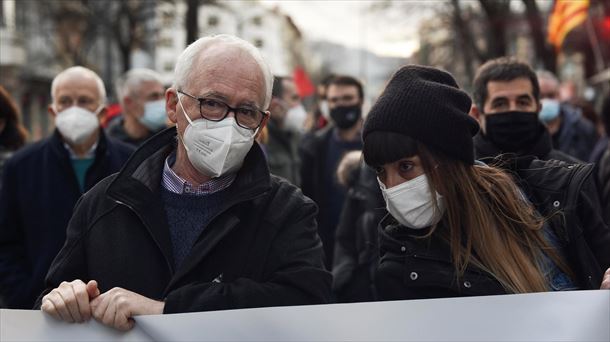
point(427, 105)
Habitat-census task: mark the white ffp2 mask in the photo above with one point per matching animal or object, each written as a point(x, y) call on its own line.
point(216, 148)
point(76, 124)
point(295, 119)
point(410, 203)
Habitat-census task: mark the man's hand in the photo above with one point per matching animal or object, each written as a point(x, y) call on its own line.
point(116, 308)
point(606, 280)
point(70, 302)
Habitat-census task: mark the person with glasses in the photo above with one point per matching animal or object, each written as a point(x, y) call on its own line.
point(322, 151)
point(43, 181)
point(194, 221)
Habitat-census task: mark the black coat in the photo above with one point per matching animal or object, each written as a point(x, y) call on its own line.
point(313, 151)
point(604, 182)
point(416, 268)
point(36, 202)
point(356, 242)
point(262, 249)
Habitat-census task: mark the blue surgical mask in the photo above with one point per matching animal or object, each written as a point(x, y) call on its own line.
point(550, 110)
point(154, 117)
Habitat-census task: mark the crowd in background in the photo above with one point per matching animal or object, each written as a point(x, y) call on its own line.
point(522, 116)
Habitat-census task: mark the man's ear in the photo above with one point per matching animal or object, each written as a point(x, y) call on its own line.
point(51, 111)
point(538, 106)
point(102, 112)
point(474, 112)
point(263, 124)
point(171, 102)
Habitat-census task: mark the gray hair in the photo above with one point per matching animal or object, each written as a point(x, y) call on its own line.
point(548, 76)
point(132, 79)
point(79, 71)
point(187, 58)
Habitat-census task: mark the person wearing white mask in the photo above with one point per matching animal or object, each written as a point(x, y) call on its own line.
point(285, 127)
point(140, 93)
point(43, 181)
point(457, 227)
point(194, 221)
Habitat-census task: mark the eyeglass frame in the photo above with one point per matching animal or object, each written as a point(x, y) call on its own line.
point(229, 110)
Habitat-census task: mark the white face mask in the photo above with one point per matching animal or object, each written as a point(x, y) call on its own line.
point(154, 117)
point(410, 203)
point(324, 109)
point(216, 148)
point(295, 118)
point(77, 124)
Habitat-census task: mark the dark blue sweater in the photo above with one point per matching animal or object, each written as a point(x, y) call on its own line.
point(187, 216)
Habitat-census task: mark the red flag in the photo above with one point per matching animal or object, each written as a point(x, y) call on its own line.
point(567, 15)
point(304, 86)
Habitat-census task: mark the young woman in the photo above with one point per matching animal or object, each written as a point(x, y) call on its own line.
point(459, 228)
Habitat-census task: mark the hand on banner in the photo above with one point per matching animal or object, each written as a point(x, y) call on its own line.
point(606, 280)
point(70, 302)
point(116, 307)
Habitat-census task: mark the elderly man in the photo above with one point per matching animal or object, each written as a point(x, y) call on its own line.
point(140, 93)
point(194, 221)
point(43, 181)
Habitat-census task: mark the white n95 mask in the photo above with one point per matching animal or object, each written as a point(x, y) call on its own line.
point(410, 203)
point(76, 124)
point(295, 119)
point(216, 148)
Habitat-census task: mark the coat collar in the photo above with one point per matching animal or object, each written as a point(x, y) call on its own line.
point(138, 184)
point(485, 149)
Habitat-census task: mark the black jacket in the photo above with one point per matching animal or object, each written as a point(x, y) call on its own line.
point(356, 242)
point(313, 151)
point(36, 202)
point(261, 250)
point(541, 149)
point(604, 182)
point(415, 268)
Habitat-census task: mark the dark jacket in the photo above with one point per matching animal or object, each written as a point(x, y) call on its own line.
point(356, 242)
point(604, 183)
point(576, 136)
point(542, 149)
point(260, 250)
point(283, 153)
point(416, 268)
point(38, 196)
point(313, 151)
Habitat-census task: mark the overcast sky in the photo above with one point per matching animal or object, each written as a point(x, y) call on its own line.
point(387, 31)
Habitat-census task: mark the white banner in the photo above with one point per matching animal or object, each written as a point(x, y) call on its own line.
point(551, 316)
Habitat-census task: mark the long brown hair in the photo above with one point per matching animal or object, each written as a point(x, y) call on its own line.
point(14, 135)
point(488, 222)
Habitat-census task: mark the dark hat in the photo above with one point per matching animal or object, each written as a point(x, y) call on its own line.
point(427, 105)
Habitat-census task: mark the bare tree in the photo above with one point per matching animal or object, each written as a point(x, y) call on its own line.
point(544, 51)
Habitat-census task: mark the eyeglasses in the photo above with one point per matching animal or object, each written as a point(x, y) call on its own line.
point(214, 110)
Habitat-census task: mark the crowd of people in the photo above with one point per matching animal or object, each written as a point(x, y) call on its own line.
point(222, 191)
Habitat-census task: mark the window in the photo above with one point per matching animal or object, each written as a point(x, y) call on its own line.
point(213, 21)
point(258, 43)
point(168, 66)
point(258, 21)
